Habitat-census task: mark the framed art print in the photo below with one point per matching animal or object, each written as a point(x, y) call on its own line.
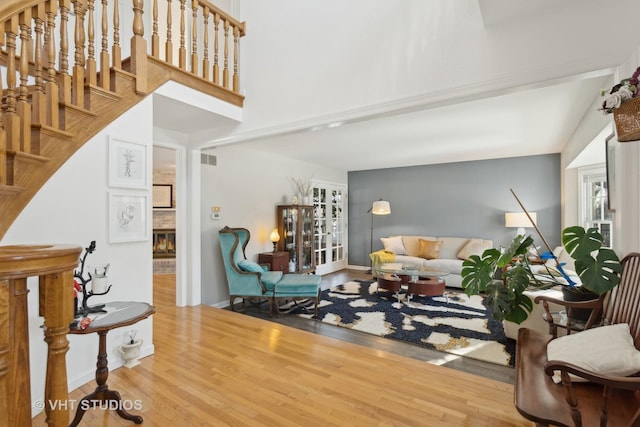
point(610, 155)
point(127, 163)
point(162, 195)
point(127, 217)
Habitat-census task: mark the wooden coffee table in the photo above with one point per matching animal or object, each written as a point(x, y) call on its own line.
point(427, 286)
point(393, 277)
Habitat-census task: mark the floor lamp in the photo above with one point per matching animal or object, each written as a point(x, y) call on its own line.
point(379, 207)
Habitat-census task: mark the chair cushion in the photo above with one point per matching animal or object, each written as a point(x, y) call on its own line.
point(306, 285)
point(394, 244)
point(246, 265)
point(270, 278)
point(607, 350)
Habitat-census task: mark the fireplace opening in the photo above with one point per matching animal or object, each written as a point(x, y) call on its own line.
point(164, 243)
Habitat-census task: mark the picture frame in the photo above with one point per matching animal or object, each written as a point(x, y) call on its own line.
point(127, 163)
point(127, 217)
point(162, 196)
point(610, 156)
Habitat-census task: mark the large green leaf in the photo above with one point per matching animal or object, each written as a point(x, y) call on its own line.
point(507, 305)
point(580, 243)
point(477, 272)
point(599, 274)
point(519, 246)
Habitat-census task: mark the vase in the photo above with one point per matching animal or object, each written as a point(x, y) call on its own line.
point(306, 200)
point(130, 353)
point(577, 295)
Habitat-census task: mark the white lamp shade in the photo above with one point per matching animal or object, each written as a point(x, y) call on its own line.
point(274, 236)
point(519, 219)
point(381, 207)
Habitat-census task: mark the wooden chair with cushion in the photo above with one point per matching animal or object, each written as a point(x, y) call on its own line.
point(606, 393)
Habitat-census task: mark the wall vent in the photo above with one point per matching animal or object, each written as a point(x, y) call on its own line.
point(208, 159)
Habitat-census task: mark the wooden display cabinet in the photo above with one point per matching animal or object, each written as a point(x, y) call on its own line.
point(295, 226)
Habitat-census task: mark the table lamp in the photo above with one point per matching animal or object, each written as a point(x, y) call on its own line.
point(274, 237)
point(519, 220)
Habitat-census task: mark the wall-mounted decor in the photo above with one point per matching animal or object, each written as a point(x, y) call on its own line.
point(127, 217)
point(162, 195)
point(127, 163)
point(610, 145)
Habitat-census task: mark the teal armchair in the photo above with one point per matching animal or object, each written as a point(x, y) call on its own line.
point(248, 280)
point(245, 279)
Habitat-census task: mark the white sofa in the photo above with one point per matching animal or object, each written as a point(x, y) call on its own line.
point(407, 251)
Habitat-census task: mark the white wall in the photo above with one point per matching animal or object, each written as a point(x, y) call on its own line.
point(247, 185)
point(72, 208)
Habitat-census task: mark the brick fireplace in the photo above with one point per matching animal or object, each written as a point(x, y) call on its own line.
point(164, 243)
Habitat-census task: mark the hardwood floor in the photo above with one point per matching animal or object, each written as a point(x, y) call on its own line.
point(214, 367)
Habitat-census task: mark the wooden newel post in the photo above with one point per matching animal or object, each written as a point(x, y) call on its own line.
point(139, 48)
point(54, 264)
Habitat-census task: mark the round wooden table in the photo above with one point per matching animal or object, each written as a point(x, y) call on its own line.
point(117, 314)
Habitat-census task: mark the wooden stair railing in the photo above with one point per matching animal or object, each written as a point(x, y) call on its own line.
point(54, 264)
point(63, 77)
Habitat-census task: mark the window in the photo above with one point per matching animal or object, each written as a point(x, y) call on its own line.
point(594, 205)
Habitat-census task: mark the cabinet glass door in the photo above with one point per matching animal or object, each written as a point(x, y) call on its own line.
point(329, 227)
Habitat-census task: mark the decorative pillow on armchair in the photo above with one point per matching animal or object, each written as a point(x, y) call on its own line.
point(254, 267)
point(394, 244)
point(429, 249)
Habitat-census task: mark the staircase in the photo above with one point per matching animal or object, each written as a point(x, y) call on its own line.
point(63, 78)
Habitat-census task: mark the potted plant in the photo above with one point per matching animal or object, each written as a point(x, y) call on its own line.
point(598, 268)
point(623, 100)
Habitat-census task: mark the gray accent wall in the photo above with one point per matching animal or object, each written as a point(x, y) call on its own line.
point(465, 199)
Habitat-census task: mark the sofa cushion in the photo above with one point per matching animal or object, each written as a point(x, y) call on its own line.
point(411, 244)
point(474, 247)
point(394, 244)
point(453, 266)
point(429, 249)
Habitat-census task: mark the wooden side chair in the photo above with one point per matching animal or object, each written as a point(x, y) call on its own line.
point(604, 399)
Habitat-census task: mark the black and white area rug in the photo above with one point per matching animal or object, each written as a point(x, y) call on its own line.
point(454, 323)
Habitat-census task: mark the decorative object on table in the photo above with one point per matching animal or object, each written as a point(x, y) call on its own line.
point(505, 296)
point(623, 101)
point(275, 238)
point(453, 323)
point(302, 188)
point(520, 221)
point(130, 351)
point(81, 281)
point(379, 207)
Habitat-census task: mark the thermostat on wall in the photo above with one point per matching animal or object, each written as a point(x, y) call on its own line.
point(215, 212)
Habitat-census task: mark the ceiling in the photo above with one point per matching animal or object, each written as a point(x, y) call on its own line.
point(518, 121)
point(521, 123)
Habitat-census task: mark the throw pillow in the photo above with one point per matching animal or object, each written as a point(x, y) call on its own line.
point(606, 350)
point(474, 247)
point(254, 267)
point(394, 244)
point(429, 249)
